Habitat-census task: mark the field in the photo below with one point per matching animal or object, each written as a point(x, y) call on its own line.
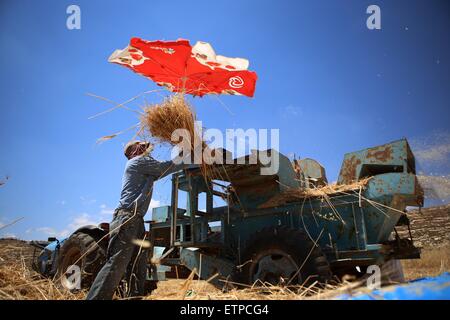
point(430, 227)
point(433, 262)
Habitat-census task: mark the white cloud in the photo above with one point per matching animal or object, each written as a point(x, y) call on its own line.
point(85, 200)
point(293, 111)
point(105, 210)
point(51, 232)
point(9, 235)
point(82, 220)
point(78, 221)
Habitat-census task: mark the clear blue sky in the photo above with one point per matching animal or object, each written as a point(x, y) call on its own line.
point(327, 82)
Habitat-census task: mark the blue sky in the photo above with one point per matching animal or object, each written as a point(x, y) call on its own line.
point(327, 82)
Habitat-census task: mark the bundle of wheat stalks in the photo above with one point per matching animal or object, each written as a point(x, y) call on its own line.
point(161, 120)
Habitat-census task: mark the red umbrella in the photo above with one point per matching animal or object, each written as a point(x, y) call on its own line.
point(180, 67)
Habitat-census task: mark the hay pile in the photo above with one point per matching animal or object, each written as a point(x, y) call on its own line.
point(19, 282)
point(161, 120)
point(202, 290)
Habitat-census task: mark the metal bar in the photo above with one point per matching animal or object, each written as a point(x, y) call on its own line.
point(173, 218)
point(363, 225)
point(356, 227)
point(192, 207)
point(151, 250)
point(209, 199)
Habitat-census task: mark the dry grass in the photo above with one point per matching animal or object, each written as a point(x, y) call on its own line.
point(161, 121)
point(331, 188)
point(19, 282)
point(433, 261)
point(174, 113)
point(295, 194)
point(202, 290)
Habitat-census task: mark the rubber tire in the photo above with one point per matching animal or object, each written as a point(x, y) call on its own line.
point(294, 243)
point(77, 245)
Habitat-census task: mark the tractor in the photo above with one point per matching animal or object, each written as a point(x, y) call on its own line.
point(236, 226)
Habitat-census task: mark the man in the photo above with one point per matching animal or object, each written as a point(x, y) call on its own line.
point(128, 224)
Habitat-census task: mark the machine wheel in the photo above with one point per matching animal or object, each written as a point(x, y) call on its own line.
point(94, 256)
point(275, 255)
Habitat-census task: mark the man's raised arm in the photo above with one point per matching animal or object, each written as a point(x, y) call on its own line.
point(148, 165)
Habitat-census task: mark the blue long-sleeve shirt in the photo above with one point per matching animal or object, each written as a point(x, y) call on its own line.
point(137, 182)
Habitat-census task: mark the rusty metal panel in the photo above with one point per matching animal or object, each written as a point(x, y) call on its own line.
point(391, 157)
point(313, 171)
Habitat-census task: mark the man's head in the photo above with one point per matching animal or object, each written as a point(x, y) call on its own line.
point(136, 148)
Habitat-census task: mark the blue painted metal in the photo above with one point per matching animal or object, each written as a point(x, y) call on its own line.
point(352, 228)
point(53, 245)
point(207, 266)
point(311, 171)
point(161, 214)
point(46, 261)
point(391, 157)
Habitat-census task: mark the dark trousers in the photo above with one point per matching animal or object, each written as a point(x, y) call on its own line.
point(123, 258)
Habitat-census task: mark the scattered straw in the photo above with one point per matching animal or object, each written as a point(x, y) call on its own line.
point(19, 282)
point(295, 194)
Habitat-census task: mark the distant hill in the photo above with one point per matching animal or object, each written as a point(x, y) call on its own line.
point(430, 226)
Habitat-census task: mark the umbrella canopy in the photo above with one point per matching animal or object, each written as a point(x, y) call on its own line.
point(180, 67)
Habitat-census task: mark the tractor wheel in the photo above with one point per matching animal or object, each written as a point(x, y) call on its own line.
point(81, 249)
point(275, 255)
